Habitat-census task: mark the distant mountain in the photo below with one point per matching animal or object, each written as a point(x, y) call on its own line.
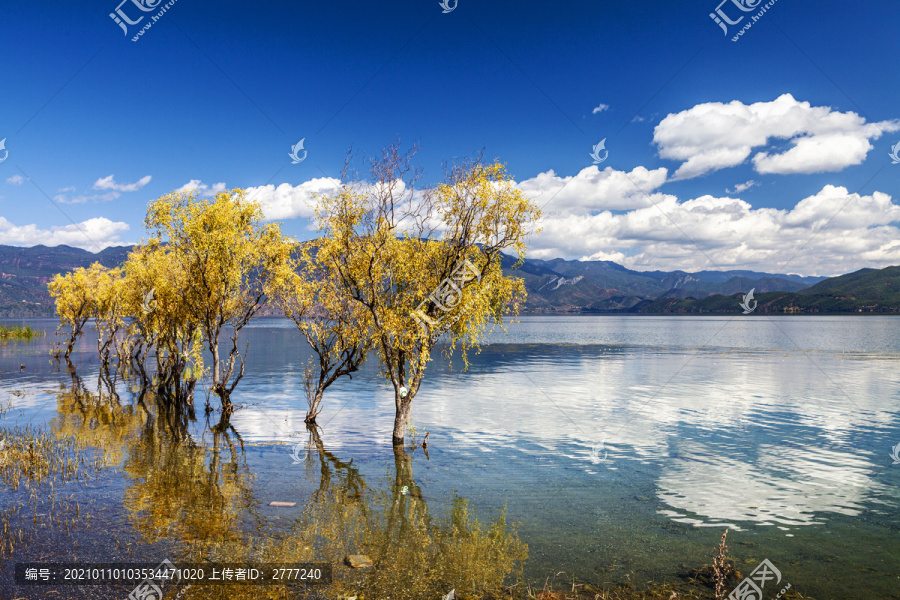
point(869, 286)
point(553, 286)
point(865, 291)
point(575, 286)
point(25, 272)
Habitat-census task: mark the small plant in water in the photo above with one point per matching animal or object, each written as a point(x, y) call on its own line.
point(31, 457)
point(18, 332)
point(721, 568)
point(411, 437)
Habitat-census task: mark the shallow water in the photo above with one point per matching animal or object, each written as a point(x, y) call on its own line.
point(623, 446)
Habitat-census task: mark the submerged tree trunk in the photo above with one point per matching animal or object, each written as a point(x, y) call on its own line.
point(70, 344)
point(401, 418)
point(314, 403)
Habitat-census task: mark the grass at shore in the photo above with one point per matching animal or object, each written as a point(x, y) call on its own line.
point(18, 332)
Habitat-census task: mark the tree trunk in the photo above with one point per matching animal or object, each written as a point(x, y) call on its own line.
point(70, 344)
point(401, 418)
point(214, 350)
point(313, 411)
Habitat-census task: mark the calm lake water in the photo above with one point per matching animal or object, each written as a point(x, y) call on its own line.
point(621, 446)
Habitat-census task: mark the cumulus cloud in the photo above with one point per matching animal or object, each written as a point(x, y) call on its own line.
point(600, 108)
point(835, 231)
point(287, 201)
point(624, 217)
point(592, 190)
point(109, 183)
point(714, 135)
point(92, 235)
point(195, 185)
point(15, 180)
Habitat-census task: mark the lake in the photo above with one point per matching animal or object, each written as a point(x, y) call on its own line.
point(622, 447)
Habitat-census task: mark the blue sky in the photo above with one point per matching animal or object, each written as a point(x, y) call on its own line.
point(802, 110)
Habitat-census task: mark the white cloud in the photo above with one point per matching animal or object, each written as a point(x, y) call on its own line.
point(741, 187)
point(625, 217)
point(831, 232)
point(825, 152)
point(67, 189)
point(108, 183)
point(15, 180)
point(92, 235)
point(600, 108)
point(593, 190)
point(195, 185)
point(287, 201)
point(714, 136)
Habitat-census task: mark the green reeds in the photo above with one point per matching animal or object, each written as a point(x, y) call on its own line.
point(18, 332)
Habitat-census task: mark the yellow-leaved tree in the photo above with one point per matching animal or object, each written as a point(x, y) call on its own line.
point(425, 263)
point(224, 255)
point(109, 310)
point(162, 321)
point(335, 326)
point(75, 294)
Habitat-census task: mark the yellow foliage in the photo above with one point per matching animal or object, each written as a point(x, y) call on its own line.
point(425, 264)
point(219, 257)
point(76, 299)
point(334, 325)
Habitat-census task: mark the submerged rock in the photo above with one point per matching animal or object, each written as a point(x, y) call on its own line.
point(359, 561)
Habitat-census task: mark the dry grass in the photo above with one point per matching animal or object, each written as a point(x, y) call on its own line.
point(37, 466)
point(30, 457)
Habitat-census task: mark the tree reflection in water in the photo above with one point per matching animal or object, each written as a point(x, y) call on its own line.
point(197, 498)
point(415, 554)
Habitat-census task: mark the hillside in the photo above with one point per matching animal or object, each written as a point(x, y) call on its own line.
point(575, 286)
point(553, 286)
point(864, 291)
point(25, 272)
point(871, 287)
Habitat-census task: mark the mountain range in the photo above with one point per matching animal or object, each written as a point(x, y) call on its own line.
point(554, 286)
